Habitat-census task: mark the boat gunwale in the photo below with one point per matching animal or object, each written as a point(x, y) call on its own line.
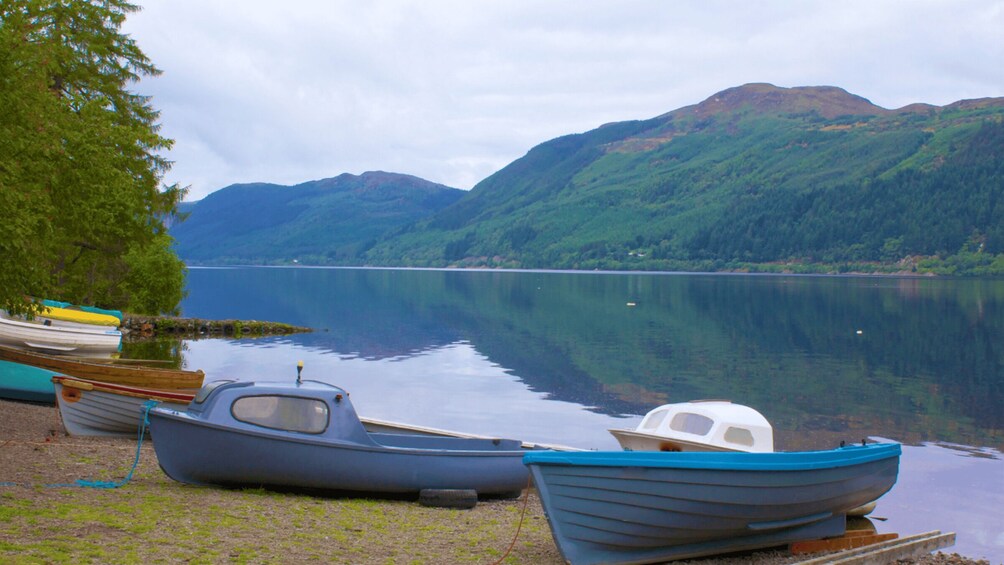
point(318, 440)
point(36, 326)
point(793, 461)
point(123, 390)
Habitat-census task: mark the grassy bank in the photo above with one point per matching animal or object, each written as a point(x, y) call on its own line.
point(155, 519)
point(44, 518)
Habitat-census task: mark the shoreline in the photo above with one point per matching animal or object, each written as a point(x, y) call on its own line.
point(152, 517)
point(905, 274)
point(148, 326)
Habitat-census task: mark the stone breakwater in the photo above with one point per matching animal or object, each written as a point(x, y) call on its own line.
point(170, 325)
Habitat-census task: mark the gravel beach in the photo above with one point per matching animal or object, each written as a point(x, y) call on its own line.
point(45, 518)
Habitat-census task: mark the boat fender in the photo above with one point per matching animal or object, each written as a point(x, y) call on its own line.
point(448, 498)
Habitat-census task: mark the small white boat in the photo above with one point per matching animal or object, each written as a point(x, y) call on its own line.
point(36, 334)
point(700, 425)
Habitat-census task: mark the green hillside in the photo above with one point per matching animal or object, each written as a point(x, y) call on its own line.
point(319, 222)
point(756, 177)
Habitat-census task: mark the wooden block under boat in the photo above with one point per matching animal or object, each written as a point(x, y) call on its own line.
point(851, 540)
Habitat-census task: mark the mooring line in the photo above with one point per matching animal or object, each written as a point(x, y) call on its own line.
point(526, 499)
point(144, 422)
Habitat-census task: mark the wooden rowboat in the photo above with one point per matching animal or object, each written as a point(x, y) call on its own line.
point(94, 408)
point(132, 375)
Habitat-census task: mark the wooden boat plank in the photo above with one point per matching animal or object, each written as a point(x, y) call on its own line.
point(151, 377)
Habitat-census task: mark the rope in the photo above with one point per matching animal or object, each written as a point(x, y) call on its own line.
point(526, 498)
point(144, 422)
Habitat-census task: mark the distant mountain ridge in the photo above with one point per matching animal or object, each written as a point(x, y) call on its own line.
point(314, 222)
point(755, 177)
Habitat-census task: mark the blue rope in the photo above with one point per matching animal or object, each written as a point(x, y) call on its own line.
point(116, 484)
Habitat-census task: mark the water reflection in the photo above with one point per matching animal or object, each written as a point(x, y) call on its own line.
point(560, 358)
point(952, 489)
point(921, 359)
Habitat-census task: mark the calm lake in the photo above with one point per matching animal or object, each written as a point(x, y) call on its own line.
point(560, 357)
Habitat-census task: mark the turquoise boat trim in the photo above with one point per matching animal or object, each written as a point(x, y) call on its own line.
point(27, 383)
point(91, 309)
point(727, 461)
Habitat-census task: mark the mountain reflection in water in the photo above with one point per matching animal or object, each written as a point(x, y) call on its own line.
point(562, 357)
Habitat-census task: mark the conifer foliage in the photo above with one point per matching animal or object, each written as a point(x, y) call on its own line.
point(81, 198)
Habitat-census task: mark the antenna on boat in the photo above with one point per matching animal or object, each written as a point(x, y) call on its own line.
point(299, 369)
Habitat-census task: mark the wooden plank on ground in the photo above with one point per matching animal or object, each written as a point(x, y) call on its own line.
point(888, 551)
point(850, 540)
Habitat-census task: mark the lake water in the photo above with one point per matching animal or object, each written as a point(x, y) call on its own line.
point(560, 357)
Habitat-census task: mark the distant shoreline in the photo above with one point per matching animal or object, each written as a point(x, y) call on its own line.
point(849, 274)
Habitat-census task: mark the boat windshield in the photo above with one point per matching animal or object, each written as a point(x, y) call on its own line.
point(203, 393)
point(654, 420)
point(288, 413)
point(691, 423)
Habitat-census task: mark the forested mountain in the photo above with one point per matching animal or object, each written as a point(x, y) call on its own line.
point(318, 222)
point(756, 177)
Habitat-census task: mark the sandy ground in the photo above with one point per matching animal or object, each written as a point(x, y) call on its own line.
point(153, 518)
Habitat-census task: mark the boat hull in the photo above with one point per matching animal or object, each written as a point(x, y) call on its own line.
point(643, 507)
point(78, 318)
point(24, 382)
point(58, 339)
point(198, 452)
point(90, 408)
point(131, 375)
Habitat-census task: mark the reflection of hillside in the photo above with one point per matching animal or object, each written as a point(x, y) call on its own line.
point(373, 314)
point(928, 363)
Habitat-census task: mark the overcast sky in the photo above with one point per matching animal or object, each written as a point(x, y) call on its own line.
point(453, 90)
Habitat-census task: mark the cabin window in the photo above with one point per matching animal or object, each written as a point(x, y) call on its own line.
point(739, 436)
point(289, 413)
point(655, 420)
point(691, 423)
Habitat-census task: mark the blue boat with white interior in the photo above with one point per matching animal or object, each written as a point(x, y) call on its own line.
point(307, 435)
point(651, 506)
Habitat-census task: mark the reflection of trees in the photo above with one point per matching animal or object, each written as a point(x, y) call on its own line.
point(928, 363)
point(166, 351)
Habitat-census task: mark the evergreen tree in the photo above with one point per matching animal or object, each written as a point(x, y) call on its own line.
point(80, 173)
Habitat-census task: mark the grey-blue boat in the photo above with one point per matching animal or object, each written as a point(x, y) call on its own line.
point(307, 435)
point(645, 507)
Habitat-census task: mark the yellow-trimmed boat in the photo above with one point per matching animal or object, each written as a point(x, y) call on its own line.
point(76, 316)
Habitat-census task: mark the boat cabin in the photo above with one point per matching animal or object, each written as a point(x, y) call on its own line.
point(700, 425)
